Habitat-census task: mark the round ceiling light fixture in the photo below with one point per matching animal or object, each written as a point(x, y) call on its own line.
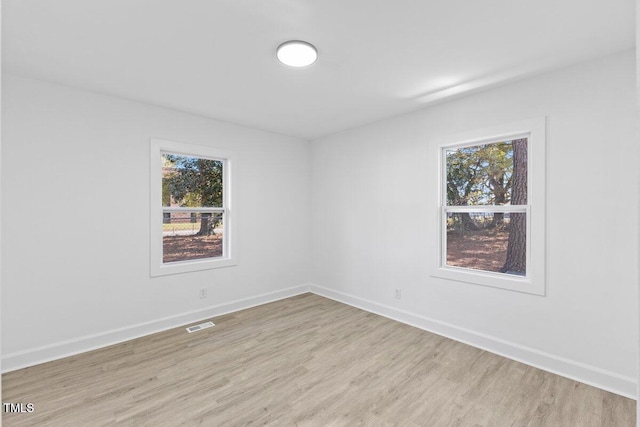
point(296, 53)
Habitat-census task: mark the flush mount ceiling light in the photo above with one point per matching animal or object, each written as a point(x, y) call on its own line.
point(296, 53)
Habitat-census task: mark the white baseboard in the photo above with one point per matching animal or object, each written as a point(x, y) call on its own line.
point(47, 353)
point(606, 380)
point(603, 379)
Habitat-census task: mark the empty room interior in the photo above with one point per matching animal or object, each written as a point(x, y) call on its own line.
point(314, 213)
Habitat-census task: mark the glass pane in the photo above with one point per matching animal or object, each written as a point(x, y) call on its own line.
point(489, 174)
point(488, 241)
point(191, 181)
point(191, 235)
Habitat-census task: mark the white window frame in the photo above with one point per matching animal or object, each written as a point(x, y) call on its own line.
point(230, 223)
point(534, 281)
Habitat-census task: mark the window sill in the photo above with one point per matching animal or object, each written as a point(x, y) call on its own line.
point(494, 280)
point(180, 267)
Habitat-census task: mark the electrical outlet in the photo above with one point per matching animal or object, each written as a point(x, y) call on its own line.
point(398, 294)
point(203, 293)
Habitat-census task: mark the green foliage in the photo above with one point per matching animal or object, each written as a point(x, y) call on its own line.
point(166, 195)
point(194, 181)
point(480, 175)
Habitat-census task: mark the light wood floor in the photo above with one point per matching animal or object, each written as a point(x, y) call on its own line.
point(305, 361)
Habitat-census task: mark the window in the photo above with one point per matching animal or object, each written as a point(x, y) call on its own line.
point(192, 222)
point(491, 222)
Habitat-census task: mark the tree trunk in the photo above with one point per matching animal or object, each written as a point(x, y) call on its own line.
point(467, 223)
point(206, 225)
point(516, 262)
point(500, 198)
point(498, 220)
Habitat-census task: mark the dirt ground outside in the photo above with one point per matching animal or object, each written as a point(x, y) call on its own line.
point(481, 250)
point(183, 248)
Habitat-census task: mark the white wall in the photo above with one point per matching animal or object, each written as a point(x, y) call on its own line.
point(373, 196)
point(75, 232)
point(75, 210)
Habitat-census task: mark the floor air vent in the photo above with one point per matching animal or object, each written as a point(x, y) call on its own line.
point(196, 328)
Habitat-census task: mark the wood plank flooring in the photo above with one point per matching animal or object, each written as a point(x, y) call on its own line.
point(305, 361)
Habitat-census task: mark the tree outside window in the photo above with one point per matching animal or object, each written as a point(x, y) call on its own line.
point(193, 223)
point(491, 226)
point(486, 207)
point(197, 183)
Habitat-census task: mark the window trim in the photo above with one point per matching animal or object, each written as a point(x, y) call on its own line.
point(230, 224)
point(534, 282)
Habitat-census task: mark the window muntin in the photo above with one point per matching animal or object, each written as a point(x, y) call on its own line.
point(479, 259)
point(192, 227)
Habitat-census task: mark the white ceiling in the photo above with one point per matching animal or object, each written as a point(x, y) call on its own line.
point(378, 58)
